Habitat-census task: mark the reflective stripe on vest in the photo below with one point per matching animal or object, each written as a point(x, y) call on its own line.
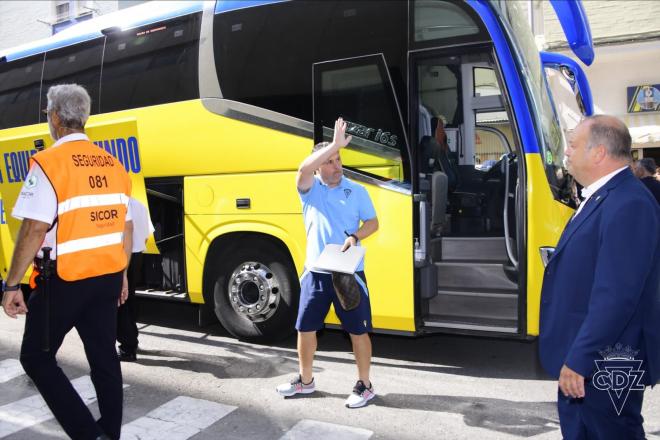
point(91, 201)
point(83, 244)
point(92, 190)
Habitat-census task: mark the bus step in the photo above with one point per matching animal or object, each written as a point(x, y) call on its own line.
point(472, 275)
point(508, 326)
point(490, 249)
point(475, 304)
point(172, 295)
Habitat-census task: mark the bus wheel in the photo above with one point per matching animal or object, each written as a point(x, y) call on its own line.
point(256, 293)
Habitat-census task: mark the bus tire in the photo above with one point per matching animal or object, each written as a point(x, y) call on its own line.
point(255, 292)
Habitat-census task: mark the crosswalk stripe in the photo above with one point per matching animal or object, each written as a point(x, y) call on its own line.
point(178, 419)
point(306, 429)
point(33, 410)
point(9, 369)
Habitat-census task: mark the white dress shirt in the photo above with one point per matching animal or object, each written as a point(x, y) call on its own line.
point(590, 190)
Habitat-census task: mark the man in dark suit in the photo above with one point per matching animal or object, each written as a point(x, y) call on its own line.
point(645, 170)
point(601, 288)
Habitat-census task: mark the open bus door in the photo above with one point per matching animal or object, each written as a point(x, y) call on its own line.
point(118, 138)
point(360, 91)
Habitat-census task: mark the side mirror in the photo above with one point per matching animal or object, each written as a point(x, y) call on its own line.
point(574, 22)
point(574, 74)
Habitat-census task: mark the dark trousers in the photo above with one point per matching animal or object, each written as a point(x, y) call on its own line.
point(594, 416)
point(127, 331)
point(90, 306)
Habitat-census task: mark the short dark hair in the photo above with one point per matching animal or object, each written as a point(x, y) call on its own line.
point(648, 164)
point(612, 133)
point(319, 146)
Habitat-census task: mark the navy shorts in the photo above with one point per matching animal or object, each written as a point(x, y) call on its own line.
point(316, 295)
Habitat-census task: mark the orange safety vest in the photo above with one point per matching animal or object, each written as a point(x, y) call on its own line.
point(92, 190)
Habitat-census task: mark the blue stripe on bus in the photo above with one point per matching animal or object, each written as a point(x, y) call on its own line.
point(56, 42)
point(190, 7)
point(47, 45)
point(232, 5)
point(511, 75)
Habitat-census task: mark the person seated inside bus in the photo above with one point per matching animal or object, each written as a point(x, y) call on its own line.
point(436, 155)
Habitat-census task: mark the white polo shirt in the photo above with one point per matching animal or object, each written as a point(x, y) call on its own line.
point(331, 213)
point(37, 199)
point(142, 226)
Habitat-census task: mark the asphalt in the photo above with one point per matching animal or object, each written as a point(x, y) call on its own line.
point(433, 387)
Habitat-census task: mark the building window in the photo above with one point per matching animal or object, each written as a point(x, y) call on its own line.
point(68, 13)
point(62, 11)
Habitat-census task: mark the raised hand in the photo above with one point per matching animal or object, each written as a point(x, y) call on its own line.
point(340, 137)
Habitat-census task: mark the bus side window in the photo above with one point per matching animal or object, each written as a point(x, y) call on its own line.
point(78, 64)
point(442, 22)
point(493, 133)
point(485, 82)
point(151, 65)
point(264, 54)
point(20, 81)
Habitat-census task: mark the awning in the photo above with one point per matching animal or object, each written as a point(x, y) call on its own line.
point(644, 129)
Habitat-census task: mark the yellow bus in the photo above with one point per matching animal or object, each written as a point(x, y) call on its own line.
point(211, 106)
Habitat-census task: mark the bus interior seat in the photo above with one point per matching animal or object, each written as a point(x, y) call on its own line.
point(435, 158)
point(466, 208)
point(439, 191)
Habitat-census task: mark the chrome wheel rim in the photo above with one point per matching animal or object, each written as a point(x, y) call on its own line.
point(254, 291)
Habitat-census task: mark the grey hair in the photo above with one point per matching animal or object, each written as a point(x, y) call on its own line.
point(72, 104)
point(612, 133)
point(320, 146)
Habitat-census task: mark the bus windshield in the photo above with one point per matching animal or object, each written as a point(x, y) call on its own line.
point(553, 140)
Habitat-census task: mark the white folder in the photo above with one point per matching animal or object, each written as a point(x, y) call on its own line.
point(332, 259)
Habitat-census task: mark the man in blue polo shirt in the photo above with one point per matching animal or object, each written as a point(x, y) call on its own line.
point(333, 208)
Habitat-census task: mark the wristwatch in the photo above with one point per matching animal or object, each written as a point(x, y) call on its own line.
point(7, 288)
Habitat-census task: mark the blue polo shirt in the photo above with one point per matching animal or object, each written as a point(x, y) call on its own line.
point(328, 212)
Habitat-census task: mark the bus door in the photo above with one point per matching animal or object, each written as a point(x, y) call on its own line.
point(467, 164)
point(360, 91)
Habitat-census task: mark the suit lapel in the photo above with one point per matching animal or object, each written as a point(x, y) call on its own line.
point(592, 205)
point(573, 225)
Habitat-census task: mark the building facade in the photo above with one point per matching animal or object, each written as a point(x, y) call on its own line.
point(25, 21)
point(626, 37)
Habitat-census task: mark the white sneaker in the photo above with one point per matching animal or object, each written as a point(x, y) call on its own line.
point(296, 386)
point(360, 395)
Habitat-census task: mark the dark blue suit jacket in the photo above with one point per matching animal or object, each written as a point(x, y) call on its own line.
point(602, 284)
